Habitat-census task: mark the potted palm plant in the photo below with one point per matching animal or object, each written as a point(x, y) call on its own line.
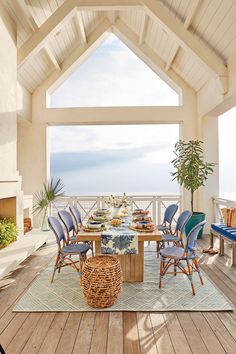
point(191, 172)
point(44, 199)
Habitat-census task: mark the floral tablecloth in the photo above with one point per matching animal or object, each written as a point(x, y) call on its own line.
point(119, 240)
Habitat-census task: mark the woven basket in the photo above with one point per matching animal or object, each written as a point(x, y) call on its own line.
point(102, 280)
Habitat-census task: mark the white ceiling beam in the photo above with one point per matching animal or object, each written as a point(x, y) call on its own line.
point(52, 25)
point(172, 56)
point(52, 57)
point(194, 6)
point(108, 5)
point(151, 58)
point(112, 16)
point(80, 54)
point(143, 28)
point(187, 40)
point(66, 11)
point(80, 26)
point(25, 15)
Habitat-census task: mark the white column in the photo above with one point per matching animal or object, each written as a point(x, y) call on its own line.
point(32, 156)
point(211, 154)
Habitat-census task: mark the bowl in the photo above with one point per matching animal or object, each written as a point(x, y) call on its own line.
point(143, 223)
point(94, 225)
point(99, 217)
point(102, 211)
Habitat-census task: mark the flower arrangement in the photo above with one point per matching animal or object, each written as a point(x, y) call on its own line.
point(117, 201)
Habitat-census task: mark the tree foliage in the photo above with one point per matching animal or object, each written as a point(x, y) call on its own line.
point(191, 171)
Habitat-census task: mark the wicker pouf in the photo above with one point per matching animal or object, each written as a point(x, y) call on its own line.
point(102, 280)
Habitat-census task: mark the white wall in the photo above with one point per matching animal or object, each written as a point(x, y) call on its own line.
point(8, 78)
point(10, 181)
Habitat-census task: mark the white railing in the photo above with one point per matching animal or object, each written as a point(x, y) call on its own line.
point(220, 203)
point(156, 204)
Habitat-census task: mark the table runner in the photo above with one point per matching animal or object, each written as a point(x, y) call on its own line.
point(119, 240)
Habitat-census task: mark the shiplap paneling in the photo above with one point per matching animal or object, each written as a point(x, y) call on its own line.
point(35, 71)
point(133, 19)
point(65, 41)
point(178, 7)
point(214, 22)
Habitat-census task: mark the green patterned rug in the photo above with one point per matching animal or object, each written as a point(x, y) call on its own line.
point(65, 294)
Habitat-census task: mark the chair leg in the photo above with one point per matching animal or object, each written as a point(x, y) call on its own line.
point(175, 268)
point(158, 248)
point(196, 264)
point(55, 268)
point(190, 276)
point(161, 274)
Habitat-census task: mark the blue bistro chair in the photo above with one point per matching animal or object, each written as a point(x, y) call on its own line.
point(71, 229)
point(65, 250)
point(176, 236)
point(169, 214)
point(77, 217)
point(175, 256)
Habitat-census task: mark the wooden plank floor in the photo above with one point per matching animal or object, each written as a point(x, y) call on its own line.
point(116, 332)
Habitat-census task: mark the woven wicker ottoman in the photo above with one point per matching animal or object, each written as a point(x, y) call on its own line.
point(101, 280)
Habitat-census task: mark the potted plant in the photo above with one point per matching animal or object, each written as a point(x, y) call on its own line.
point(44, 200)
point(8, 232)
point(191, 172)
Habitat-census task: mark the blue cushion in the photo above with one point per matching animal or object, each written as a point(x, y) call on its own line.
point(171, 238)
point(227, 231)
point(75, 248)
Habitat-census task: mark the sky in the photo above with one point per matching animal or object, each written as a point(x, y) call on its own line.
point(113, 76)
point(114, 159)
point(227, 154)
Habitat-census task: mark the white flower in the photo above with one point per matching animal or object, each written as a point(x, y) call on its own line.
point(117, 201)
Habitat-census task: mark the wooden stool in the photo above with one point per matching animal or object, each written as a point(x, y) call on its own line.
point(101, 280)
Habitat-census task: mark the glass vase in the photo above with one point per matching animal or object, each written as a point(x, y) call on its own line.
point(43, 221)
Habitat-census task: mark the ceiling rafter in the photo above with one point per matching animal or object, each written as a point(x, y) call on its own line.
point(52, 25)
point(112, 16)
point(52, 57)
point(187, 40)
point(151, 58)
point(127, 36)
point(143, 28)
point(80, 26)
point(63, 14)
point(24, 13)
point(172, 56)
point(31, 23)
point(78, 55)
point(194, 6)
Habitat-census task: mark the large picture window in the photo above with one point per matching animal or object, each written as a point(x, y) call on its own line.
point(106, 159)
point(113, 76)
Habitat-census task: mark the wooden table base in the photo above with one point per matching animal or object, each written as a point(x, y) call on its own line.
point(132, 264)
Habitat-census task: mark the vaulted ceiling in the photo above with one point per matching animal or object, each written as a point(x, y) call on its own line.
point(192, 38)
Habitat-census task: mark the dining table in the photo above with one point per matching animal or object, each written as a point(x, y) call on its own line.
point(132, 264)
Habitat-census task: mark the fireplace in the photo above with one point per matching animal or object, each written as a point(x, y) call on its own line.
point(8, 208)
point(11, 202)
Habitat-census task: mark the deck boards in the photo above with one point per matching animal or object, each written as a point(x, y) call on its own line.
point(116, 332)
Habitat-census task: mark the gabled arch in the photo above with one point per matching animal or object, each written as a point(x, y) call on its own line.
point(126, 35)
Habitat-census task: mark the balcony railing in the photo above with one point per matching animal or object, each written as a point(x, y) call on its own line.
point(220, 203)
point(156, 204)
